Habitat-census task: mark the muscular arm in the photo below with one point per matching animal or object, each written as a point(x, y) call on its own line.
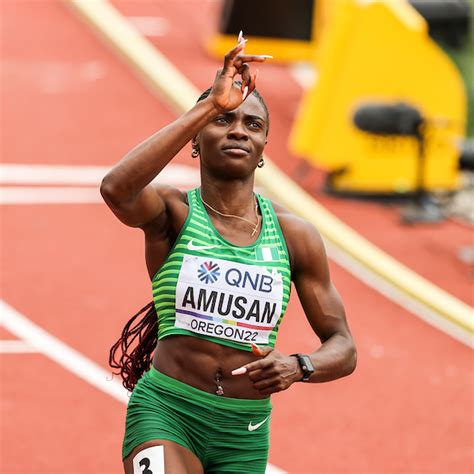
point(127, 189)
point(336, 357)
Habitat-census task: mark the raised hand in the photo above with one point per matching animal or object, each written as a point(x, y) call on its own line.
point(272, 373)
point(224, 95)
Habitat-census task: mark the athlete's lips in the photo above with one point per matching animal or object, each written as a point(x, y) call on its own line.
point(235, 146)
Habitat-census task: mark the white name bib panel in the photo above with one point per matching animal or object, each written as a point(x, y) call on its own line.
point(228, 300)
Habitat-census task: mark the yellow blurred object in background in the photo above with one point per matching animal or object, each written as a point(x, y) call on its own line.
point(380, 51)
point(288, 31)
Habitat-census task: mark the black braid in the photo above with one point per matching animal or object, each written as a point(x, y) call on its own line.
point(136, 345)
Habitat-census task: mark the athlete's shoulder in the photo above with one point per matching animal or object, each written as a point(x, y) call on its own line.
point(301, 236)
point(293, 224)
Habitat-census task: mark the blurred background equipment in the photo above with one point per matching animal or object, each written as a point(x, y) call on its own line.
point(466, 160)
point(381, 51)
point(386, 119)
point(448, 20)
point(290, 31)
point(403, 120)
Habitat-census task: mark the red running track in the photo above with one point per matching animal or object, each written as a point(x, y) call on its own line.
point(78, 273)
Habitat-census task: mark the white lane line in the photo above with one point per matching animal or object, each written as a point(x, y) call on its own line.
point(15, 346)
point(271, 469)
point(93, 174)
point(151, 26)
point(49, 195)
point(79, 183)
point(60, 352)
point(85, 175)
point(69, 358)
point(396, 295)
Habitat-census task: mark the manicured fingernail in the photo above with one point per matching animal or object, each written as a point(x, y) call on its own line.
point(266, 56)
point(246, 91)
point(239, 371)
point(241, 35)
point(242, 42)
point(256, 350)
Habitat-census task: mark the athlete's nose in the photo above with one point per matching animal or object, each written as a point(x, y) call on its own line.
point(237, 131)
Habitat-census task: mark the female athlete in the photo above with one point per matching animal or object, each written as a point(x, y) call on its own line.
point(221, 260)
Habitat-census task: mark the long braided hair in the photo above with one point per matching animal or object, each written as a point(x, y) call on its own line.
point(132, 354)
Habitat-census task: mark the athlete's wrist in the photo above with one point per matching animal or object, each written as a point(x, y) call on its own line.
point(305, 365)
point(297, 372)
point(209, 107)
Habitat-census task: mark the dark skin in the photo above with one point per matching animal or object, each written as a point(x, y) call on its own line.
point(231, 134)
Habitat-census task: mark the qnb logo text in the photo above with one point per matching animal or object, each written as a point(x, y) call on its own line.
point(244, 279)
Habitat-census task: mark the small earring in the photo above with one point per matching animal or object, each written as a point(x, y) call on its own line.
point(195, 152)
point(261, 163)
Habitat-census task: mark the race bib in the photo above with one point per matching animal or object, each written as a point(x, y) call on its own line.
point(228, 300)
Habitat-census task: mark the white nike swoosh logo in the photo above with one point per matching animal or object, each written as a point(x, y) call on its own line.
point(258, 425)
point(191, 246)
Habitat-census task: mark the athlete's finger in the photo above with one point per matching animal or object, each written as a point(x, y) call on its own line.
point(244, 71)
point(248, 368)
point(261, 351)
point(260, 364)
point(257, 365)
point(239, 371)
point(253, 80)
point(239, 59)
point(264, 373)
point(256, 350)
point(266, 383)
point(231, 56)
point(255, 375)
point(245, 92)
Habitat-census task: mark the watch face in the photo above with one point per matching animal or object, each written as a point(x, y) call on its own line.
point(306, 364)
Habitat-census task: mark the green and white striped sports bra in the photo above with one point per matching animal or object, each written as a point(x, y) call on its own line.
point(212, 289)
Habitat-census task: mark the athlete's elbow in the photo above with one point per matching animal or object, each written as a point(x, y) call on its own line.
point(110, 191)
point(351, 360)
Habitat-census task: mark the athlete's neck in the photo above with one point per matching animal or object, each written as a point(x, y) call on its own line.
point(230, 197)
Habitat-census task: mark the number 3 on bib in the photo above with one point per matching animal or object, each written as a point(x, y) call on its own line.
point(150, 461)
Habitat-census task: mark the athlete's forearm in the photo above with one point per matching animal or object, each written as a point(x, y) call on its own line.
point(144, 162)
point(336, 358)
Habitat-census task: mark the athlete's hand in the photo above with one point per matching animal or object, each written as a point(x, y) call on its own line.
point(224, 95)
point(272, 373)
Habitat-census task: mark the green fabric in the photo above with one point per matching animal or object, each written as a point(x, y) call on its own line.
point(269, 253)
point(212, 427)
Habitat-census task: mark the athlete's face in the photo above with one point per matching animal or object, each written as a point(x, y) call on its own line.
point(232, 144)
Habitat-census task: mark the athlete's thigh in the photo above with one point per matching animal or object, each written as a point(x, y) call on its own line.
point(178, 459)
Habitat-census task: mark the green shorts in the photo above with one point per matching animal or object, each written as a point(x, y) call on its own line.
point(228, 435)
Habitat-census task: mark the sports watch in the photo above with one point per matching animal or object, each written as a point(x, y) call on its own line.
point(306, 366)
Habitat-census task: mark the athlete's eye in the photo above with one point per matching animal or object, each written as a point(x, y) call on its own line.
point(221, 119)
point(256, 125)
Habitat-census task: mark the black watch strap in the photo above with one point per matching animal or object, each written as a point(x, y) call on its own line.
point(306, 365)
